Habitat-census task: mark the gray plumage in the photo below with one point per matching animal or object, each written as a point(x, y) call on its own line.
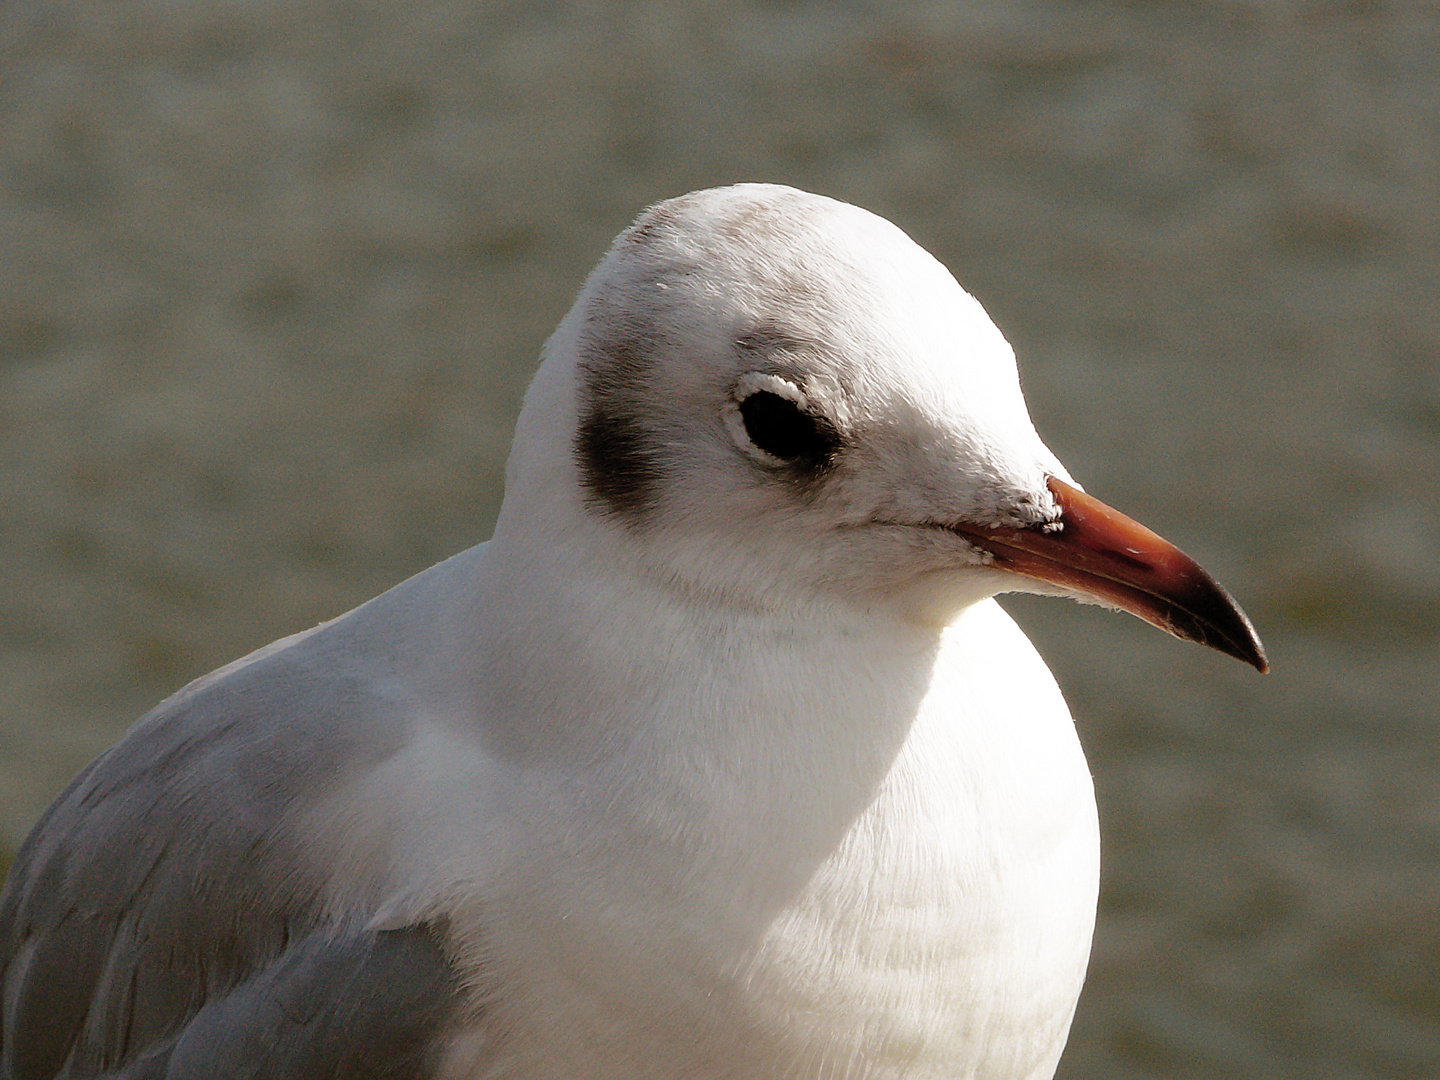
point(160, 920)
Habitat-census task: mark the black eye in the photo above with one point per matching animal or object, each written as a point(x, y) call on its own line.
point(777, 426)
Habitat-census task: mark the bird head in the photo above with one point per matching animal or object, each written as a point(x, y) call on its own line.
point(769, 397)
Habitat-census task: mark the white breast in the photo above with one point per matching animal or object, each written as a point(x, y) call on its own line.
point(948, 936)
point(942, 933)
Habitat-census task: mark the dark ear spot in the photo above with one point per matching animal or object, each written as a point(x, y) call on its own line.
point(617, 451)
point(617, 467)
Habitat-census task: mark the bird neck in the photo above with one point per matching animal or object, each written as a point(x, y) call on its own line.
point(733, 745)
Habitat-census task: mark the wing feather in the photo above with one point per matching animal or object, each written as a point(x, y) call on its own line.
point(163, 904)
point(365, 1006)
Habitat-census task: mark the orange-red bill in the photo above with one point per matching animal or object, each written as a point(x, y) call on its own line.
point(1102, 554)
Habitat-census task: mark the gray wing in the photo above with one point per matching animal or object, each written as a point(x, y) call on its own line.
point(159, 920)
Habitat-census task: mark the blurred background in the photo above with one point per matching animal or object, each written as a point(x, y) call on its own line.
point(274, 276)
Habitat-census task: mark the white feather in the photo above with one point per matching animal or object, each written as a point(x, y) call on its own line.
point(759, 787)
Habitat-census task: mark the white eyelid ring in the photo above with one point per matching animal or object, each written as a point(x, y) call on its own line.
point(753, 382)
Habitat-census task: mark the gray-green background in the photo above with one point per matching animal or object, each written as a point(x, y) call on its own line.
point(273, 277)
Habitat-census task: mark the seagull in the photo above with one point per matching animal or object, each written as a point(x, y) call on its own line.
point(718, 760)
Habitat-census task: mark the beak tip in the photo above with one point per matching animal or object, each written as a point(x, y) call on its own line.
point(1213, 618)
point(1249, 646)
point(1257, 657)
point(1226, 628)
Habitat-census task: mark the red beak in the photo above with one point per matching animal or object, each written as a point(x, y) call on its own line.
point(1102, 554)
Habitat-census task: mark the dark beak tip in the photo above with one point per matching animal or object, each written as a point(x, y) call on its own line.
point(1226, 628)
point(1245, 642)
point(1255, 654)
point(1259, 659)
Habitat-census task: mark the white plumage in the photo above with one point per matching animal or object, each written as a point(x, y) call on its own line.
point(717, 761)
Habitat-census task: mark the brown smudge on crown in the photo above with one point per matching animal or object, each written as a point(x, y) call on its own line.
point(651, 222)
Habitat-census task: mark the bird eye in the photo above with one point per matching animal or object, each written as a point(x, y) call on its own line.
point(778, 426)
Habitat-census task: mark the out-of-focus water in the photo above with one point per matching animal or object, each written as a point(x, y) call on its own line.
point(274, 276)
